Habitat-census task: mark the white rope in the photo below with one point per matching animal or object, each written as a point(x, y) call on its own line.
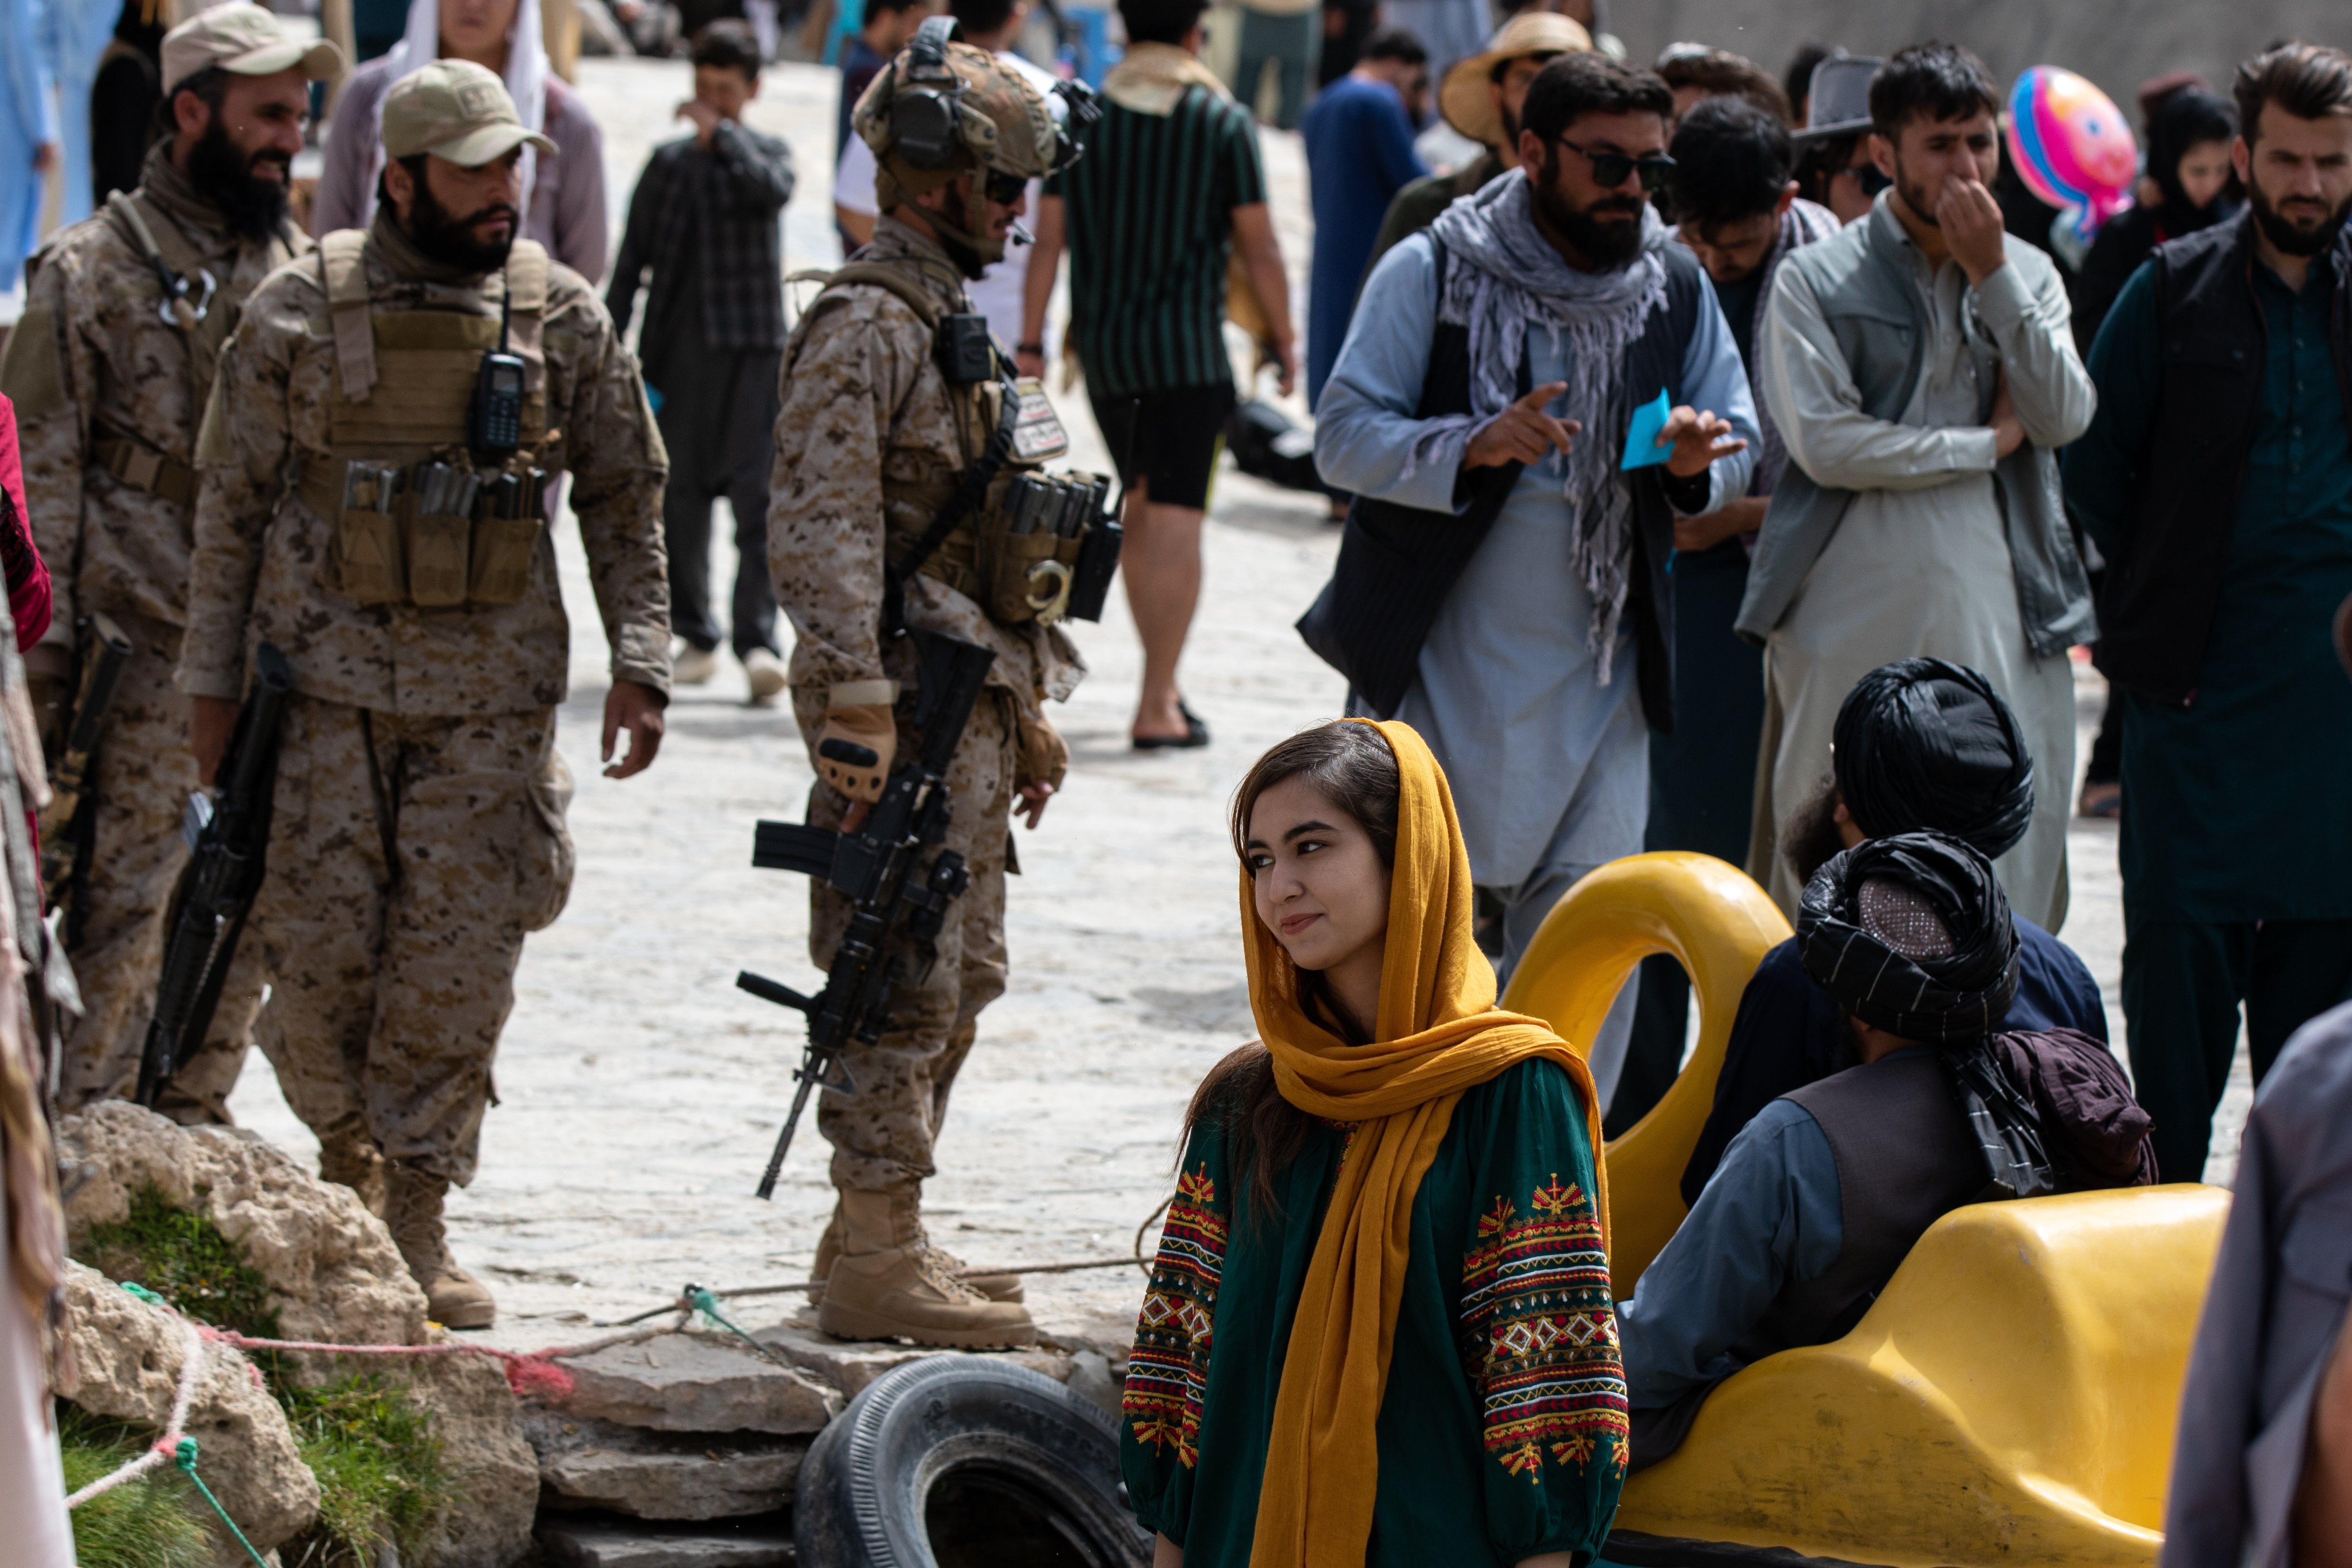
point(192, 1366)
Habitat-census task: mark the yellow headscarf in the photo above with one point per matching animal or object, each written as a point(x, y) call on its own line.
point(1438, 1034)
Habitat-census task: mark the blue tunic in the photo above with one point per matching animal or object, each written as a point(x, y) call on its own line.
point(1548, 764)
point(1359, 155)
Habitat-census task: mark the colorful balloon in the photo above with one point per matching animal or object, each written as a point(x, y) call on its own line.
point(2073, 147)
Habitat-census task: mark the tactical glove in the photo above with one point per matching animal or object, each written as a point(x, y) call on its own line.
point(855, 748)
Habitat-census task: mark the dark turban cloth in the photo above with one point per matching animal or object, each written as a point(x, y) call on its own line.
point(1927, 745)
point(1912, 935)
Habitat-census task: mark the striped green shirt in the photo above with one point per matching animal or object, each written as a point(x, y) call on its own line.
point(1151, 229)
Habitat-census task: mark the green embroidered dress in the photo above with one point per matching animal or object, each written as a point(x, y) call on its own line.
point(1502, 1431)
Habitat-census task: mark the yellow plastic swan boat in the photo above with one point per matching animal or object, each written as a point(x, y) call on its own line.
point(2010, 1398)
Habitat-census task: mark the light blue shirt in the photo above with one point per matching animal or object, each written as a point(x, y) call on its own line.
point(1770, 1214)
point(1507, 693)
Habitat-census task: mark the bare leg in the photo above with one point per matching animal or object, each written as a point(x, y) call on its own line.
point(1161, 564)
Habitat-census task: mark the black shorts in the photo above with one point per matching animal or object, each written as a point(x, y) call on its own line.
point(1173, 445)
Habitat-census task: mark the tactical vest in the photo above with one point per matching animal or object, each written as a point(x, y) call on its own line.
point(203, 309)
point(998, 554)
point(400, 397)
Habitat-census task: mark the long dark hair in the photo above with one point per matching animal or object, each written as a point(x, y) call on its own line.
point(1351, 765)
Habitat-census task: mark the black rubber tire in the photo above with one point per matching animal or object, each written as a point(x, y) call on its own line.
point(983, 1439)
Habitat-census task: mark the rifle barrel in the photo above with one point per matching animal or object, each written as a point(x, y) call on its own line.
point(784, 1138)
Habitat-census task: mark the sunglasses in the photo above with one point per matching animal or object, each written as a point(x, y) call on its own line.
point(1005, 189)
point(1610, 169)
point(1869, 177)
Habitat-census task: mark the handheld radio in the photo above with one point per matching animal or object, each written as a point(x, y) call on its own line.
point(494, 420)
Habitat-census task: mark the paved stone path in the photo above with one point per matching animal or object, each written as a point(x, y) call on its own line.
point(641, 1091)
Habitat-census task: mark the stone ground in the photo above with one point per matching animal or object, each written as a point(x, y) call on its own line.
point(641, 1091)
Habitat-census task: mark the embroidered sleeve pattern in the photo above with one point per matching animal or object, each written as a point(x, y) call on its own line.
point(1169, 1370)
point(1539, 1334)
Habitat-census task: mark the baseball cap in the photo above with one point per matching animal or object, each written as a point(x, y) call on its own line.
point(245, 39)
point(454, 109)
point(1463, 98)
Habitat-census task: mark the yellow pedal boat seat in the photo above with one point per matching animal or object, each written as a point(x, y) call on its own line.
point(2010, 1398)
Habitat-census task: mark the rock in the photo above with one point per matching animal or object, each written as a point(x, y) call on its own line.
point(586, 1463)
point(695, 1383)
point(495, 1477)
point(765, 1542)
point(130, 1355)
point(1090, 1378)
point(333, 1271)
point(848, 1365)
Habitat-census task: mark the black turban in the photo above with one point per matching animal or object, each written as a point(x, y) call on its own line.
point(1912, 935)
point(1927, 745)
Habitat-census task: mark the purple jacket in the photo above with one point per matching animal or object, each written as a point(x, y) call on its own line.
point(567, 198)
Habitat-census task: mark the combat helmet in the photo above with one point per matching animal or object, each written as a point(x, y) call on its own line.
point(944, 108)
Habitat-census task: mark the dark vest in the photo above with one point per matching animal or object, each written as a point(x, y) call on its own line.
point(2163, 586)
point(1904, 1158)
point(1397, 563)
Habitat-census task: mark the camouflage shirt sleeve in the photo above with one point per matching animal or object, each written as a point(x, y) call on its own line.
point(48, 371)
point(241, 465)
point(618, 468)
point(845, 384)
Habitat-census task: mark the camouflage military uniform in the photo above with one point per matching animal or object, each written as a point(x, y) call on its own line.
point(867, 445)
point(419, 826)
point(109, 395)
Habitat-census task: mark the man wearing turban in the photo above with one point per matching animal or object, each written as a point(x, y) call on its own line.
point(1920, 745)
point(1819, 1198)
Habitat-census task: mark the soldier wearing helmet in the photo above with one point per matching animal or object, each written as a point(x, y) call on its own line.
point(896, 402)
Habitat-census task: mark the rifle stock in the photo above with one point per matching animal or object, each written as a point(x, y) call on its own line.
point(67, 821)
point(878, 867)
point(216, 888)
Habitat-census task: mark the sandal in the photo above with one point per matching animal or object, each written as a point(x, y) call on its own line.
point(1196, 733)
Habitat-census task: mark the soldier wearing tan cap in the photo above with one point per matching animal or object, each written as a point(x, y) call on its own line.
point(423, 380)
point(109, 370)
point(1480, 97)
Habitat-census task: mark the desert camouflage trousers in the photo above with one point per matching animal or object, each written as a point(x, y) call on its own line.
point(885, 1136)
point(408, 858)
point(114, 927)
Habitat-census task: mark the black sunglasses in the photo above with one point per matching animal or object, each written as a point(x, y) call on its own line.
point(1610, 169)
point(1870, 179)
point(1005, 189)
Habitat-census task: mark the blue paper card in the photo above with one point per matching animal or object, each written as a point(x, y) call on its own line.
point(1641, 448)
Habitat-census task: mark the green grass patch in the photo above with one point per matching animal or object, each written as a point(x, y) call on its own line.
point(184, 1259)
point(381, 1476)
point(143, 1523)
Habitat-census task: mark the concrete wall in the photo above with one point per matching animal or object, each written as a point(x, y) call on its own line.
point(2118, 45)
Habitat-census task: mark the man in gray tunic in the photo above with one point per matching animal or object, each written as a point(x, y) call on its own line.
point(1921, 369)
point(1487, 388)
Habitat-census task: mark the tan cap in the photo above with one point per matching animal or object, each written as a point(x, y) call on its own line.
point(1463, 98)
point(247, 40)
point(454, 109)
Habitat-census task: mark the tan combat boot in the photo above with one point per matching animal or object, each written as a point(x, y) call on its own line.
point(453, 1298)
point(349, 1156)
point(886, 1284)
point(828, 1253)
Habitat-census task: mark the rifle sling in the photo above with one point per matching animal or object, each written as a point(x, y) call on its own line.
point(968, 496)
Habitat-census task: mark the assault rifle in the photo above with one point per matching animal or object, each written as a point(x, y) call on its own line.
point(879, 867)
point(228, 837)
point(71, 814)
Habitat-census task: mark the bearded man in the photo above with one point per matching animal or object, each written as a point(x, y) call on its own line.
point(2217, 479)
point(1921, 370)
point(1502, 581)
point(110, 374)
point(418, 831)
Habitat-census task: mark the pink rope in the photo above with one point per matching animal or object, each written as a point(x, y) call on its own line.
point(528, 1372)
point(183, 1395)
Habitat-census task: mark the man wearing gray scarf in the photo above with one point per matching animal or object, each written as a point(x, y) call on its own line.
point(1501, 585)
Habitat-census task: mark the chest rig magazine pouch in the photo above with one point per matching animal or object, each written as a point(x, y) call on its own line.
point(1027, 546)
point(423, 511)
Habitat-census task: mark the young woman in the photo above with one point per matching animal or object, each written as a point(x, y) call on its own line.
point(1379, 1329)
